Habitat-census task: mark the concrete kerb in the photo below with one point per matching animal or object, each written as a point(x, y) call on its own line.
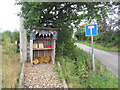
point(21, 80)
point(63, 80)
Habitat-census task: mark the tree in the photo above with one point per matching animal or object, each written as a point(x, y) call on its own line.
point(10, 37)
point(6, 37)
point(15, 36)
point(61, 15)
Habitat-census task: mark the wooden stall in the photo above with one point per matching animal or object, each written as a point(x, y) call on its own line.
point(42, 45)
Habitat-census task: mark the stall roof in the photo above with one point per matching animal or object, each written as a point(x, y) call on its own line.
point(45, 28)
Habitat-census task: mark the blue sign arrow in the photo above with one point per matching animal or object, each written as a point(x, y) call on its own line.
point(91, 30)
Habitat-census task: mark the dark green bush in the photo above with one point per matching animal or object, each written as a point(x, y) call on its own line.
point(108, 39)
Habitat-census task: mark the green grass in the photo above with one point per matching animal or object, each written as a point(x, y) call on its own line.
point(100, 47)
point(10, 66)
point(78, 72)
point(101, 78)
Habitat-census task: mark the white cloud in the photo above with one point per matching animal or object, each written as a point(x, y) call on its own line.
point(8, 16)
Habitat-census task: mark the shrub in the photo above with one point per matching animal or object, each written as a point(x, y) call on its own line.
point(78, 73)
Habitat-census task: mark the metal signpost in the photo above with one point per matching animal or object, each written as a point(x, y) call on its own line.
point(92, 30)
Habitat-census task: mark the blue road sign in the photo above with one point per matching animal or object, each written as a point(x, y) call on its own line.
point(91, 30)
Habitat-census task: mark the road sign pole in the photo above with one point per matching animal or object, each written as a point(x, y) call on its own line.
point(93, 62)
point(92, 30)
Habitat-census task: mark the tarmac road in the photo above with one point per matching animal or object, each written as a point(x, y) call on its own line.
point(108, 59)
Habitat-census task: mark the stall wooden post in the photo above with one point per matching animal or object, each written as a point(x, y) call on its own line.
point(31, 51)
point(53, 53)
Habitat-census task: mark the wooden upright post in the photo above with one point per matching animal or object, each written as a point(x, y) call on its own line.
point(23, 42)
point(31, 51)
point(53, 54)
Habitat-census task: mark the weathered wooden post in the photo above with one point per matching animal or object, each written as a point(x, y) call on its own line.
point(23, 42)
point(31, 49)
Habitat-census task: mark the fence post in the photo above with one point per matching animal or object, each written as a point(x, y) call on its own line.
point(23, 42)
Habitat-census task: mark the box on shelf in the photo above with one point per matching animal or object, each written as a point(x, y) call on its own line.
point(35, 45)
point(40, 45)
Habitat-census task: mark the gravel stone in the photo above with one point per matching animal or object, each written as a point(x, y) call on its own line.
point(41, 76)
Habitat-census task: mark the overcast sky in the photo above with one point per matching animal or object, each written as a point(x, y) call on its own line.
point(8, 15)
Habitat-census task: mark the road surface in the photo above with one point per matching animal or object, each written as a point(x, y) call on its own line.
point(108, 59)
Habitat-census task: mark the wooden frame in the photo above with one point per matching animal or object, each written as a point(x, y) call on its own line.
point(35, 52)
point(36, 28)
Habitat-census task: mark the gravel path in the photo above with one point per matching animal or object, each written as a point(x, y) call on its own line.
point(41, 76)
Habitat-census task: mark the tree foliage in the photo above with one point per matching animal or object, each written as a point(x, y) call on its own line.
point(60, 15)
point(9, 37)
point(52, 14)
point(108, 39)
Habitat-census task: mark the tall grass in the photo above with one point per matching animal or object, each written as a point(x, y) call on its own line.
point(10, 66)
point(78, 72)
point(98, 46)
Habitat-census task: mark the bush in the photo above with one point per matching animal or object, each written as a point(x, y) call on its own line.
point(78, 73)
point(65, 48)
point(9, 37)
point(108, 39)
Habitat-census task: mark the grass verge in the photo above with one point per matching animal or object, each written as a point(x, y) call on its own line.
point(10, 66)
point(78, 72)
point(100, 47)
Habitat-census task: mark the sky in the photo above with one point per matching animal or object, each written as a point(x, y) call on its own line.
point(8, 15)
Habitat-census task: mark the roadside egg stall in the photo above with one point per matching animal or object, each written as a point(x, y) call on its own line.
point(42, 45)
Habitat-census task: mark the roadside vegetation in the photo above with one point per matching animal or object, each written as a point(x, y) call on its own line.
point(108, 41)
point(77, 70)
point(10, 60)
point(101, 47)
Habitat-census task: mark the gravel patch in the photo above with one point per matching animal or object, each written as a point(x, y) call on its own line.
point(41, 76)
